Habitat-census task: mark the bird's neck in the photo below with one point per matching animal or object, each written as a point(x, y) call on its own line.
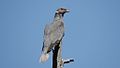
point(58, 16)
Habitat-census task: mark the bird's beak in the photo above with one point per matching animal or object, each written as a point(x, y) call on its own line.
point(67, 11)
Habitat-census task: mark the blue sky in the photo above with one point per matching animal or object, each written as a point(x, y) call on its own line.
point(92, 32)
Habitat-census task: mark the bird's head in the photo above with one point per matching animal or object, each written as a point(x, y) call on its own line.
point(62, 11)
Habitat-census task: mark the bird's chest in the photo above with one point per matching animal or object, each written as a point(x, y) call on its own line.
point(58, 26)
point(57, 31)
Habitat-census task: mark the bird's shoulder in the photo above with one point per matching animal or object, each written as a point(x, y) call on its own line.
point(47, 28)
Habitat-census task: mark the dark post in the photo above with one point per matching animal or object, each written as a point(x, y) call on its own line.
point(58, 62)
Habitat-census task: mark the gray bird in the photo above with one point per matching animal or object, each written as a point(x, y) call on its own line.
point(53, 34)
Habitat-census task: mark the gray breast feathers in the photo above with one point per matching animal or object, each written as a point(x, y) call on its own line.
point(53, 33)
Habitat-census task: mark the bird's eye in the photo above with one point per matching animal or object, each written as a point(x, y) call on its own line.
point(62, 9)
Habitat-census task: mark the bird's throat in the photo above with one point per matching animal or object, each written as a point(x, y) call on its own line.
point(58, 16)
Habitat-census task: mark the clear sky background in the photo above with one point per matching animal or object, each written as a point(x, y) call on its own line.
point(92, 32)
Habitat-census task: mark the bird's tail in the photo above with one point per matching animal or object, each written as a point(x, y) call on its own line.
point(44, 57)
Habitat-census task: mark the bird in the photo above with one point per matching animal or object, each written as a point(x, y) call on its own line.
point(53, 34)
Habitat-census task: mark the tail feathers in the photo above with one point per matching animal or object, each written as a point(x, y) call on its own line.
point(44, 57)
